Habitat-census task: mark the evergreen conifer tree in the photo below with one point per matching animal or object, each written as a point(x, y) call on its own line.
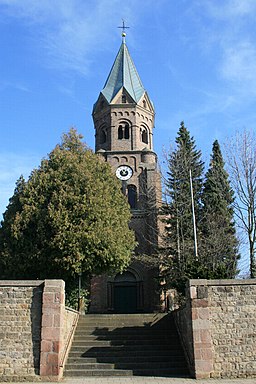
point(70, 217)
point(180, 262)
point(219, 250)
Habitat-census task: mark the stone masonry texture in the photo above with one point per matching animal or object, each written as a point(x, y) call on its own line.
point(233, 329)
point(36, 330)
point(20, 330)
point(223, 328)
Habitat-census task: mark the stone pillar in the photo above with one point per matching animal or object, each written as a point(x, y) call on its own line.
point(202, 340)
point(53, 317)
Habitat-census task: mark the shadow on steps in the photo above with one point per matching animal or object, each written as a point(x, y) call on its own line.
point(106, 345)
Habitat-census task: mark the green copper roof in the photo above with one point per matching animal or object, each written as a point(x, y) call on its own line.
point(123, 74)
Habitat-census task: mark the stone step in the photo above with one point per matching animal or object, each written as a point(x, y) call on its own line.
point(86, 366)
point(117, 326)
point(105, 356)
point(105, 329)
point(93, 372)
point(145, 320)
point(121, 372)
point(124, 348)
point(140, 319)
point(124, 336)
point(122, 320)
point(126, 345)
point(85, 359)
point(116, 342)
point(113, 359)
point(119, 329)
point(125, 366)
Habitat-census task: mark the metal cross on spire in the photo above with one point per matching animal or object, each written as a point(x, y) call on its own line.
point(124, 27)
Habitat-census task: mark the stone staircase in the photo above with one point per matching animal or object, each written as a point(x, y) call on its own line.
point(126, 345)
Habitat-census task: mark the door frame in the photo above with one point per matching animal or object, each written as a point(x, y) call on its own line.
point(138, 282)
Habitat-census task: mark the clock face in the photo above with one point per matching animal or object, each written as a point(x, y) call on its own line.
point(124, 172)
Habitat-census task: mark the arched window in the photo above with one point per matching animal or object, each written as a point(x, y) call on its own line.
point(126, 131)
point(144, 135)
point(132, 196)
point(123, 99)
point(123, 131)
point(144, 104)
point(120, 132)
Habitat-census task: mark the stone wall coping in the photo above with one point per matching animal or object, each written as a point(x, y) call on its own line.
point(21, 283)
point(71, 310)
point(198, 282)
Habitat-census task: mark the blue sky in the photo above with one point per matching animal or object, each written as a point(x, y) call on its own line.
point(196, 58)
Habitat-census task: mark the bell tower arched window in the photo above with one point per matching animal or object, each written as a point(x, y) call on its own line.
point(123, 131)
point(120, 132)
point(144, 135)
point(126, 131)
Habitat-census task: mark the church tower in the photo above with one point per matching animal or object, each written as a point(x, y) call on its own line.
point(123, 119)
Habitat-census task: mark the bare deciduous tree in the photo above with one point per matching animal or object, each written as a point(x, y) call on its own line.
point(241, 160)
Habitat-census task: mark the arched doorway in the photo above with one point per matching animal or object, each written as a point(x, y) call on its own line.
point(125, 293)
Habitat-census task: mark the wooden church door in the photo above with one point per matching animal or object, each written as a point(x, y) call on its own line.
point(125, 293)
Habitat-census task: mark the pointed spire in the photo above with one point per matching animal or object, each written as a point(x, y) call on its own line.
point(123, 74)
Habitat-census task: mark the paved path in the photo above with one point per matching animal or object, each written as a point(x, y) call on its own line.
point(146, 380)
point(154, 380)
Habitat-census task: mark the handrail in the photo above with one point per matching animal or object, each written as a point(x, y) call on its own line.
point(71, 333)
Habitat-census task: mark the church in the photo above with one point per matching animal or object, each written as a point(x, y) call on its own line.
point(123, 117)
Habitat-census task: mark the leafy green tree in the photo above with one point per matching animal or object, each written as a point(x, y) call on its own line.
point(219, 246)
point(70, 217)
point(180, 262)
